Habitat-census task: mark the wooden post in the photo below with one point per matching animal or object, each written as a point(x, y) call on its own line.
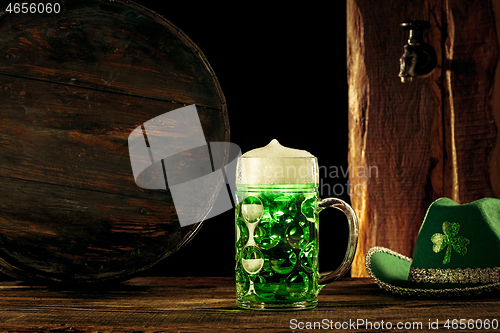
point(425, 139)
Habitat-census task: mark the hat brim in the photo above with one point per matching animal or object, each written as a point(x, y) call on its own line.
point(390, 270)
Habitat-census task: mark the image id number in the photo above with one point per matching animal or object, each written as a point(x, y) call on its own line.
point(33, 8)
point(472, 324)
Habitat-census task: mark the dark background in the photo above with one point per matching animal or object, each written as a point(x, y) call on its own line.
point(282, 70)
point(283, 73)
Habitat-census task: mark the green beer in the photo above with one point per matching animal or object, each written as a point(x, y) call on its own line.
point(277, 245)
point(277, 230)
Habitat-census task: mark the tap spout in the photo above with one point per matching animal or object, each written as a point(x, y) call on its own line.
point(419, 58)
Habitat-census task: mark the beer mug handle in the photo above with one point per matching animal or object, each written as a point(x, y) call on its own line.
point(352, 221)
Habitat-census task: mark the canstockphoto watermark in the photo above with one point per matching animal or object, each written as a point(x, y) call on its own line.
point(367, 324)
point(329, 177)
point(354, 324)
point(297, 173)
point(170, 152)
point(360, 173)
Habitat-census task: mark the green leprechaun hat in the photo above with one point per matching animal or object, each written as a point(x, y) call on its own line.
point(457, 252)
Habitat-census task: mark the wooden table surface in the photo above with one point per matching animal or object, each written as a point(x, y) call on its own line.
point(202, 304)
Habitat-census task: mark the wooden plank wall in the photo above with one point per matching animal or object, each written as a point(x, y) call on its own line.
point(425, 139)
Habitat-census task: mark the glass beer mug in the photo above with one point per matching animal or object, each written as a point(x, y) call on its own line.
point(277, 230)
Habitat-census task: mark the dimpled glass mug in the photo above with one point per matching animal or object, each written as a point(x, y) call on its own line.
point(277, 230)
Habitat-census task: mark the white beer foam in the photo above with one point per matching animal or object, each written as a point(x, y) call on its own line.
point(275, 150)
point(276, 164)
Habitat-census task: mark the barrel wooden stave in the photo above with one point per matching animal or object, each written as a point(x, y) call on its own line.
point(73, 86)
point(112, 46)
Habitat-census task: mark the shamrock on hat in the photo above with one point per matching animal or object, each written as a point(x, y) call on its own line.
point(457, 252)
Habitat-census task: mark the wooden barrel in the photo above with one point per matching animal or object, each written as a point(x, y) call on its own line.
point(73, 86)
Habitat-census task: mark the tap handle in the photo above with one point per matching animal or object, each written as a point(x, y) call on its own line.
point(416, 24)
point(416, 28)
